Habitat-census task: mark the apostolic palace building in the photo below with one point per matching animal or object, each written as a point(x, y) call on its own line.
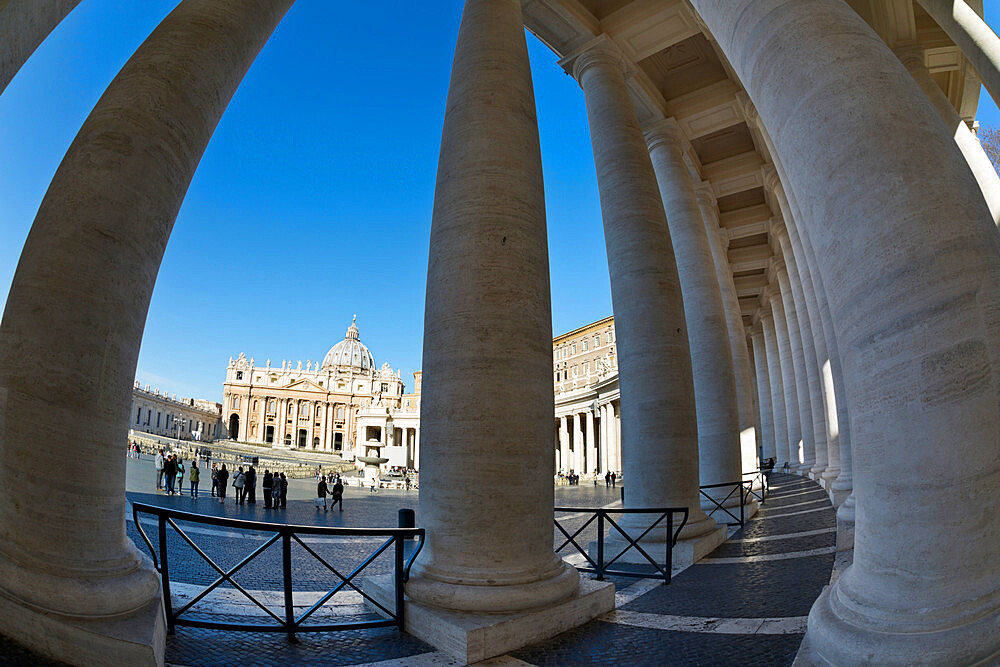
point(804, 260)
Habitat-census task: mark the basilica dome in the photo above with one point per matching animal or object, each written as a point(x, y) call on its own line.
point(350, 352)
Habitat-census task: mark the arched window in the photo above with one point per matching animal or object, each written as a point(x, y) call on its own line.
point(340, 412)
point(305, 410)
point(236, 402)
point(255, 403)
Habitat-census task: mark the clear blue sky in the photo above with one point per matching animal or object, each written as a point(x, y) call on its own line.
point(313, 200)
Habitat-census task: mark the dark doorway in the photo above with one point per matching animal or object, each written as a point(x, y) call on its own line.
point(302, 438)
point(269, 434)
point(338, 442)
point(234, 427)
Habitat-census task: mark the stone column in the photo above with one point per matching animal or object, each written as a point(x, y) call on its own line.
point(779, 421)
point(579, 456)
point(914, 291)
point(719, 241)
point(804, 317)
point(912, 57)
point(605, 440)
point(973, 36)
point(416, 449)
point(659, 423)
point(801, 387)
point(839, 424)
point(592, 463)
point(763, 391)
point(564, 462)
point(827, 466)
point(78, 301)
point(24, 24)
point(488, 405)
point(295, 425)
point(791, 398)
point(708, 332)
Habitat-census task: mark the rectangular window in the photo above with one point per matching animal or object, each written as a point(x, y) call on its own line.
point(584, 344)
point(572, 348)
point(239, 375)
point(586, 368)
point(574, 371)
point(597, 340)
point(158, 415)
point(236, 402)
point(305, 411)
point(385, 386)
point(611, 337)
point(138, 416)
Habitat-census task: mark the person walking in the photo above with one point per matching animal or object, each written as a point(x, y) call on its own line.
point(337, 494)
point(267, 485)
point(158, 462)
point(170, 473)
point(239, 480)
point(222, 476)
point(250, 486)
point(284, 491)
point(321, 492)
point(193, 478)
point(276, 492)
point(607, 479)
point(613, 478)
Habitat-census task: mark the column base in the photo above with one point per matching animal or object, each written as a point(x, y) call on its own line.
point(838, 494)
point(472, 637)
point(686, 552)
point(832, 640)
point(133, 639)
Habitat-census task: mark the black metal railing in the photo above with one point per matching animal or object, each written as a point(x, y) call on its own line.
point(742, 491)
point(287, 534)
point(600, 566)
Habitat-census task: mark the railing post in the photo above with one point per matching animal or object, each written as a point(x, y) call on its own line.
point(398, 575)
point(743, 499)
point(670, 545)
point(165, 571)
point(286, 566)
point(600, 545)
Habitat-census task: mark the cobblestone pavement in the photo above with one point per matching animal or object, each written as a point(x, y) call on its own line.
point(746, 602)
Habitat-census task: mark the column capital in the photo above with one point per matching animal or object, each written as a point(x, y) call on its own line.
point(724, 237)
point(600, 51)
point(770, 176)
point(748, 109)
point(705, 194)
point(665, 132)
point(777, 266)
point(911, 54)
point(776, 228)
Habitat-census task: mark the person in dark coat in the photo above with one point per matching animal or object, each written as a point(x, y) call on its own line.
point(223, 477)
point(250, 486)
point(267, 485)
point(337, 494)
point(170, 473)
point(284, 491)
point(321, 492)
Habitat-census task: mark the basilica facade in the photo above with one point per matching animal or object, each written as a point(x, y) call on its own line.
point(315, 407)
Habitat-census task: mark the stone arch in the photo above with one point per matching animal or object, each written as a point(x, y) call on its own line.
point(234, 426)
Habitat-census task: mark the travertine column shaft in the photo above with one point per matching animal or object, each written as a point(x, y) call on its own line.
point(604, 439)
point(779, 421)
point(659, 429)
point(790, 394)
point(719, 242)
point(24, 24)
point(982, 168)
point(578, 445)
point(792, 323)
point(817, 404)
point(79, 300)
point(592, 464)
point(763, 391)
point(564, 463)
point(708, 332)
point(911, 266)
point(488, 405)
point(842, 487)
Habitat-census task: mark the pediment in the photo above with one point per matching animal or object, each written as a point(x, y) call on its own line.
point(304, 385)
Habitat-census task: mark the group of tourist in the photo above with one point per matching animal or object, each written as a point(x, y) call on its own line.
point(170, 474)
point(334, 488)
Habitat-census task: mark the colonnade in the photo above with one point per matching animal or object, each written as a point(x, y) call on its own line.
point(874, 365)
point(588, 441)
